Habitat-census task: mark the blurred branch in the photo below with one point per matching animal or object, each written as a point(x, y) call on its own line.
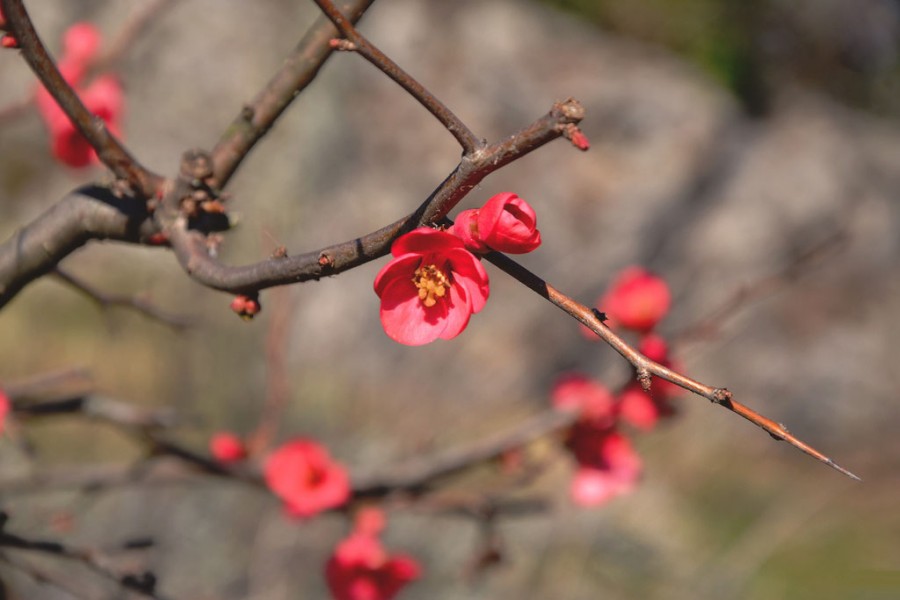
point(93, 407)
point(143, 583)
point(277, 389)
point(367, 50)
point(710, 326)
point(297, 71)
point(137, 22)
point(109, 149)
point(417, 475)
point(104, 300)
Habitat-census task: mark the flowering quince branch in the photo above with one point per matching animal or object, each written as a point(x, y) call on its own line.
point(191, 249)
point(111, 152)
point(591, 318)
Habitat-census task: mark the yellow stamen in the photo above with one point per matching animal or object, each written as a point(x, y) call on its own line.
point(432, 283)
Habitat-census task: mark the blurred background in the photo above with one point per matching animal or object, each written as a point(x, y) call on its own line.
point(742, 150)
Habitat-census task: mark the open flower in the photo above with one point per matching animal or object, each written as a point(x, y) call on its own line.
point(505, 223)
point(636, 300)
point(430, 288)
point(361, 568)
point(303, 475)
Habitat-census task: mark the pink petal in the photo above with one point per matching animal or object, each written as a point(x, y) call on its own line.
point(405, 319)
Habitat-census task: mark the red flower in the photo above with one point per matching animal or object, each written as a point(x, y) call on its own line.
point(607, 464)
point(505, 223)
point(103, 97)
point(643, 409)
point(227, 448)
point(5, 407)
point(361, 569)
point(613, 468)
point(637, 300)
point(592, 400)
point(430, 288)
point(303, 475)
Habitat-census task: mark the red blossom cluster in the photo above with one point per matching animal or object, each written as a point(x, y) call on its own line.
point(436, 282)
point(306, 478)
point(361, 569)
point(608, 465)
point(102, 96)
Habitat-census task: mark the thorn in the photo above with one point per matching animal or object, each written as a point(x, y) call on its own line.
point(841, 469)
point(780, 432)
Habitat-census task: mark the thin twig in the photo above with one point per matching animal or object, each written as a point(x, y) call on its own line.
point(646, 367)
point(712, 323)
point(298, 70)
point(104, 300)
point(418, 474)
point(367, 50)
point(277, 390)
point(137, 22)
point(109, 149)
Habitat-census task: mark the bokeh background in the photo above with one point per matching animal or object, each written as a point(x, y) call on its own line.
point(735, 146)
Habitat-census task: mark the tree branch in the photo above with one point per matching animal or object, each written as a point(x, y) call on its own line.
point(90, 212)
point(191, 250)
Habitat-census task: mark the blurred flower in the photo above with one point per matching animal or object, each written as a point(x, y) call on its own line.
point(505, 223)
point(636, 300)
point(103, 97)
point(305, 477)
point(227, 448)
point(430, 288)
point(607, 464)
point(361, 569)
point(593, 402)
point(5, 407)
point(642, 409)
point(608, 467)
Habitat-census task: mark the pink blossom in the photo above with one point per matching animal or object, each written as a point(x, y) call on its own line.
point(608, 467)
point(5, 407)
point(430, 288)
point(636, 300)
point(306, 478)
point(227, 448)
point(594, 403)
